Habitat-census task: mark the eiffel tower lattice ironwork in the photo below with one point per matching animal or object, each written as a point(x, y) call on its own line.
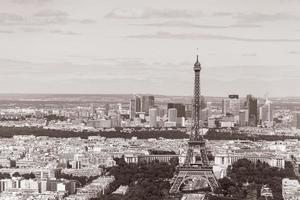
point(196, 174)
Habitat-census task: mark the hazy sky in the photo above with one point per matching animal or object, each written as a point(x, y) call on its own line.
point(143, 46)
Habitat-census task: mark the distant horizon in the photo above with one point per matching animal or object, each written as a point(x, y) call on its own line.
point(141, 94)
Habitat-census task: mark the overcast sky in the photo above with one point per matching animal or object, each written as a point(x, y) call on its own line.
point(143, 46)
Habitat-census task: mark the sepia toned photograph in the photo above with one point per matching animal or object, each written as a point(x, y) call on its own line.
point(149, 100)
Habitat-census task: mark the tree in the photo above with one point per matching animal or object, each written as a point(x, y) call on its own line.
point(16, 174)
point(244, 171)
point(28, 176)
point(145, 180)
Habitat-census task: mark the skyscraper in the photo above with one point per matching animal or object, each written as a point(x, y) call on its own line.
point(179, 107)
point(266, 112)
point(132, 108)
point(93, 110)
point(231, 105)
point(243, 118)
point(225, 106)
point(138, 104)
point(252, 110)
point(153, 117)
point(188, 110)
point(147, 103)
point(296, 120)
point(106, 108)
point(172, 115)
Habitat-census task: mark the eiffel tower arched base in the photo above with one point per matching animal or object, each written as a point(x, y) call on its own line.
point(194, 180)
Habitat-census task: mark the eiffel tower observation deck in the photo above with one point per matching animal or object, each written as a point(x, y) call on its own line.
point(196, 174)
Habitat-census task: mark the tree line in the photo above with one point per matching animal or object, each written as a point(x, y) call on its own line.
point(146, 181)
point(212, 134)
point(17, 174)
point(8, 132)
point(83, 180)
point(245, 174)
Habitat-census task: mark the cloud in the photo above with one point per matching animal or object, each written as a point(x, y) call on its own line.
point(244, 25)
point(122, 75)
point(41, 30)
point(249, 54)
point(43, 17)
point(262, 17)
point(6, 31)
point(183, 24)
point(294, 52)
point(51, 13)
point(221, 14)
point(126, 13)
point(243, 73)
point(10, 19)
point(111, 68)
point(118, 75)
point(195, 36)
point(62, 32)
point(254, 19)
point(31, 1)
point(128, 75)
point(87, 21)
point(31, 29)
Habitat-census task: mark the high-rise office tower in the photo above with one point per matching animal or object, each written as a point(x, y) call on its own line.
point(138, 104)
point(153, 117)
point(266, 112)
point(147, 103)
point(162, 112)
point(252, 110)
point(225, 106)
point(179, 107)
point(93, 110)
point(132, 107)
point(106, 108)
point(203, 102)
point(172, 115)
point(188, 110)
point(231, 105)
point(296, 120)
point(243, 118)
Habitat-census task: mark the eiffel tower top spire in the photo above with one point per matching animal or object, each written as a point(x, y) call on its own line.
point(197, 65)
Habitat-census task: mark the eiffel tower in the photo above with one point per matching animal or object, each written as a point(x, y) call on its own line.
point(196, 174)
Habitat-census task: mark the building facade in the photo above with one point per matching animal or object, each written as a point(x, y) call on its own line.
point(252, 110)
point(147, 103)
point(231, 105)
point(266, 113)
point(172, 115)
point(296, 120)
point(153, 117)
point(132, 108)
point(179, 107)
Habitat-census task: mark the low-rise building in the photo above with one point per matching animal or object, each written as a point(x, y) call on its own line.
point(225, 159)
point(290, 189)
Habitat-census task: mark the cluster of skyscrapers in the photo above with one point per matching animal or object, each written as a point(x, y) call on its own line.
point(235, 112)
point(248, 113)
point(141, 104)
point(143, 107)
